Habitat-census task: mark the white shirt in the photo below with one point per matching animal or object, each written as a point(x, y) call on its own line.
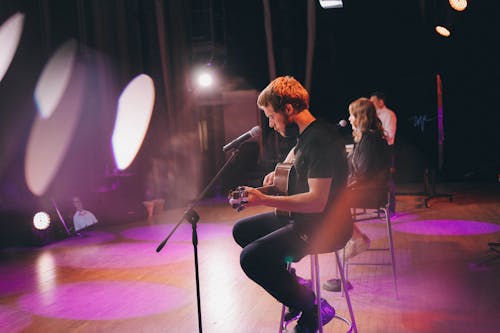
point(389, 120)
point(83, 218)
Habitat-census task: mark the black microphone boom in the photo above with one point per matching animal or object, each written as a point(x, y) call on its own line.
point(242, 138)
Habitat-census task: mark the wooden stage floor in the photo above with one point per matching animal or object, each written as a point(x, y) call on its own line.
point(112, 279)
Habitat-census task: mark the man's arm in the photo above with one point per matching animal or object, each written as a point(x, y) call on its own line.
point(390, 127)
point(313, 201)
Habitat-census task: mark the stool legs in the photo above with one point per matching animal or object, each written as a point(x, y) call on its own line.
point(391, 249)
point(385, 210)
point(316, 285)
point(315, 277)
point(283, 308)
point(353, 327)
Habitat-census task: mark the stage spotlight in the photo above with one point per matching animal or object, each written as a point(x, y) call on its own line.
point(442, 31)
point(446, 18)
point(10, 34)
point(205, 79)
point(331, 3)
point(41, 221)
point(135, 107)
point(458, 5)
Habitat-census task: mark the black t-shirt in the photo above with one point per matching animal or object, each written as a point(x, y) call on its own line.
point(319, 153)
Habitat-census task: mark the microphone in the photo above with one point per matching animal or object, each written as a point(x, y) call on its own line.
point(242, 138)
point(342, 123)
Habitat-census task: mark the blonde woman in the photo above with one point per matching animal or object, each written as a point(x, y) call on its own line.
point(369, 163)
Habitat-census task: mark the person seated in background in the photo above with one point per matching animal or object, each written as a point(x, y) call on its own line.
point(82, 218)
point(369, 163)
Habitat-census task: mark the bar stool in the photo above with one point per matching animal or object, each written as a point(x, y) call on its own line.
point(380, 201)
point(315, 277)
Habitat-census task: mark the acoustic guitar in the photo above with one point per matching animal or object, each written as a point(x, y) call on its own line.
point(284, 180)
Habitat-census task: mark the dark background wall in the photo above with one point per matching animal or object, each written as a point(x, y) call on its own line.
point(368, 45)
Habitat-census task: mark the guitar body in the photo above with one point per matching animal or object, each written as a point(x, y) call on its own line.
point(284, 180)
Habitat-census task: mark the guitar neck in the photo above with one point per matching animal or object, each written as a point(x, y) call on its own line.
point(269, 190)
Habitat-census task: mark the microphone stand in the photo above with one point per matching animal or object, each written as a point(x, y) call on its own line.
point(191, 216)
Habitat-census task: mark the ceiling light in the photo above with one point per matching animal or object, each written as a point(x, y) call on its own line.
point(332, 3)
point(458, 5)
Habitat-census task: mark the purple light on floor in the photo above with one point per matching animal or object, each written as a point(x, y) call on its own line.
point(15, 279)
point(87, 238)
point(13, 321)
point(447, 227)
point(123, 255)
point(205, 231)
point(104, 300)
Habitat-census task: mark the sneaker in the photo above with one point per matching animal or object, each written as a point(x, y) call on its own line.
point(336, 285)
point(307, 322)
point(304, 328)
point(292, 313)
point(327, 312)
point(356, 246)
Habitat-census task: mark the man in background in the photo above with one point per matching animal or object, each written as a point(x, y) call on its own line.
point(389, 123)
point(82, 218)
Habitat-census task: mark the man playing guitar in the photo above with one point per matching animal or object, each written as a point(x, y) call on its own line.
point(319, 222)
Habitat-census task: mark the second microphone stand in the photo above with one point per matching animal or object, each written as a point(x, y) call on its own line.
point(191, 216)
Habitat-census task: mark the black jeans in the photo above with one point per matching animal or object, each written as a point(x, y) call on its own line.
point(268, 242)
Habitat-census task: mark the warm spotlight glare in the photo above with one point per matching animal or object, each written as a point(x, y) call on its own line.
point(46, 274)
point(50, 137)
point(41, 220)
point(458, 5)
point(205, 79)
point(10, 34)
point(442, 31)
point(54, 79)
point(331, 3)
point(135, 107)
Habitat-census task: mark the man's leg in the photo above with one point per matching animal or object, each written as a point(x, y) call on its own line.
point(264, 262)
point(254, 227)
